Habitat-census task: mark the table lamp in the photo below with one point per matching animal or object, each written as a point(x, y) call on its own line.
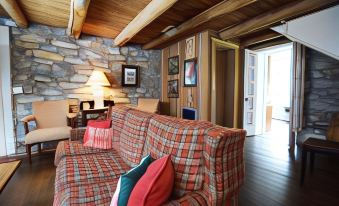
point(97, 80)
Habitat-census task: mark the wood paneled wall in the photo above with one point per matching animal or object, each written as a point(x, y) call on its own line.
point(173, 106)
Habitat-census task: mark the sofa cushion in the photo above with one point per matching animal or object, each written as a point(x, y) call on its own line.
point(130, 179)
point(133, 136)
point(92, 168)
point(71, 148)
point(118, 120)
point(84, 193)
point(155, 186)
point(98, 138)
point(103, 124)
point(48, 134)
point(183, 140)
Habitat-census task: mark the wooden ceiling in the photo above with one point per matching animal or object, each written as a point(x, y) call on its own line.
point(108, 18)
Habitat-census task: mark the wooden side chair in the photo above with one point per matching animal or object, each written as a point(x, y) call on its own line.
point(330, 146)
point(53, 123)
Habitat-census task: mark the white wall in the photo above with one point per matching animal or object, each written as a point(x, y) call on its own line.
point(318, 31)
point(6, 118)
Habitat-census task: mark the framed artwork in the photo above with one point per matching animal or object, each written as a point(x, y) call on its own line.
point(190, 48)
point(173, 65)
point(190, 73)
point(173, 89)
point(130, 76)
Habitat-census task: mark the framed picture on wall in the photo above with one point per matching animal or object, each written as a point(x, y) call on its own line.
point(190, 73)
point(173, 89)
point(173, 65)
point(130, 76)
point(190, 48)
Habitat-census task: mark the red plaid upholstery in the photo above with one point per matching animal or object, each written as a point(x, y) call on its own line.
point(208, 160)
point(224, 164)
point(190, 199)
point(133, 136)
point(71, 148)
point(183, 139)
point(89, 194)
point(118, 120)
point(89, 168)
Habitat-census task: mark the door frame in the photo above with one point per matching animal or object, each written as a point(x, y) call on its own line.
point(217, 43)
point(6, 114)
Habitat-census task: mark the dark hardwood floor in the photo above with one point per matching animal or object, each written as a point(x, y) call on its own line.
point(31, 185)
point(272, 178)
point(273, 175)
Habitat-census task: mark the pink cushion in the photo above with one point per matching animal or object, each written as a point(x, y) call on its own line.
point(155, 186)
point(99, 138)
point(115, 198)
point(97, 124)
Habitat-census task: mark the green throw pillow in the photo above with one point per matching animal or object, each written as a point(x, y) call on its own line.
point(130, 179)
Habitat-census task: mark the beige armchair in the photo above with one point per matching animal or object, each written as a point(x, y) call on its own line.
point(53, 123)
point(148, 105)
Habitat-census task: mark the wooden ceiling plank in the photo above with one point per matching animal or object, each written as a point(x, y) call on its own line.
point(274, 16)
point(262, 37)
point(222, 8)
point(13, 10)
point(77, 17)
point(152, 11)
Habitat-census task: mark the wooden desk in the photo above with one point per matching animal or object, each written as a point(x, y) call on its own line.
point(84, 114)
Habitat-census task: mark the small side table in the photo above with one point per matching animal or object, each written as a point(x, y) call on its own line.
point(84, 114)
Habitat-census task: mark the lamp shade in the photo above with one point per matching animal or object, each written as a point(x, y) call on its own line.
point(98, 78)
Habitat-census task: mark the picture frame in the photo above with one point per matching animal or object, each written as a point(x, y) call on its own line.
point(190, 48)
point(173, 65)
point(130, 76)
point(190, 73)
point(173, 89)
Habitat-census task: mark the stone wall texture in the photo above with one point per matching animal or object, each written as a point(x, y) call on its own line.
point(321, 91)
point(50, 65)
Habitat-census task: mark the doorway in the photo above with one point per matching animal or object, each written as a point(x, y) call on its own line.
point(224, 83)
point(267, 102)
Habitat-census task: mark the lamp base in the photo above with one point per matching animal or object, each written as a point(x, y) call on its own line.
point(98, 96)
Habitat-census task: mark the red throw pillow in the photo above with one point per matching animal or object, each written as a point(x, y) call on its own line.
point(97, 124)
point(155, 186)
point(98, 134)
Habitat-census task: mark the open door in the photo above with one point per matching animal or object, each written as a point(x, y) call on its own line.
point(250, 85)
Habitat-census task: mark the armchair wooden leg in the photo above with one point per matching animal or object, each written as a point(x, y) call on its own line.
point(39, 148)
point(29, 155)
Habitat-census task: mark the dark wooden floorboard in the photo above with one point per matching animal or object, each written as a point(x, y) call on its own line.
point(31, 185)
point(272, 179)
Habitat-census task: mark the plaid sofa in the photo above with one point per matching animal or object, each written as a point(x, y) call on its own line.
point(207, 159)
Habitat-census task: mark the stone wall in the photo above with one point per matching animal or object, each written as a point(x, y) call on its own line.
point(49, 65)
point(321, 91)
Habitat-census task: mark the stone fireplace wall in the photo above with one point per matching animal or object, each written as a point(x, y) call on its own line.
point(50, 65)
point(321, 91)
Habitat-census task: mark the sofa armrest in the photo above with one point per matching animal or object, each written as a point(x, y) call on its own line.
point(194, 198)
point(224, 164)
point(77, 134)
point(27, 119)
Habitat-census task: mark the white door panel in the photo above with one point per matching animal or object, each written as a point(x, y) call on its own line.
point(250, 85)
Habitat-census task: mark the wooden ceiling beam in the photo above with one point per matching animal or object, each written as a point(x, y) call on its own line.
point(13, 10)
point(262, 37)
point(222, 8)
point(77, 17)
point(152, 11)
point(272, 17)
